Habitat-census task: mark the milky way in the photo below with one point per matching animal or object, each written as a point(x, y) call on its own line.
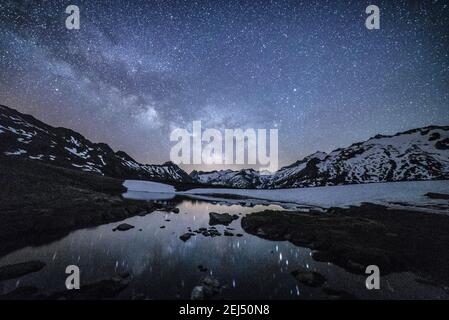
point(138, 69)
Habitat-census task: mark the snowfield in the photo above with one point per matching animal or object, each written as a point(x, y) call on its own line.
point(410, 195)
point(148, 190)
point(389, 193)
point(148, 186)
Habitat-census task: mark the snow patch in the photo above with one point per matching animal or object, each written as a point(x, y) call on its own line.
point(16, 153)
point(87, 168)
point(38, 157)
point(82, 154)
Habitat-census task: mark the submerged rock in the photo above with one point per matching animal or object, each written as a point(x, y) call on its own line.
point(202, 268)
point(223, 219)
point(12, 271)
point(441, 196)
point(123, 227)
point(309, 278)
point(211, 232)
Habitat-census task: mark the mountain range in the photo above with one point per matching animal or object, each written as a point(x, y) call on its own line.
point(417, 154)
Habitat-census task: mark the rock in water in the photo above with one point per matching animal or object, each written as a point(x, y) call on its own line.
point(208, 288)
point(309, 278)
point(202, 268)
point(123, 227)
point(186, 236)
point(20, 269)
point(433, 195)
point(197, 293)
point(224, 218)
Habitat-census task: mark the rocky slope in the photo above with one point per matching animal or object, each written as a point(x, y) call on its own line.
point(22, 136)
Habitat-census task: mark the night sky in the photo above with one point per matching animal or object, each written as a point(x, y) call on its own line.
point(138, 69)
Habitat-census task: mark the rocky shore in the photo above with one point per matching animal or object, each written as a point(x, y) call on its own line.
point(41, 203)
point(353, 238)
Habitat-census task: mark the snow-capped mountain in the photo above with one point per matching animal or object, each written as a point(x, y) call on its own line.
point(24, 136)
point(246, 178)
point(418, 154)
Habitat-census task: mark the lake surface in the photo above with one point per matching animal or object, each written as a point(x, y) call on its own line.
point(164, 267)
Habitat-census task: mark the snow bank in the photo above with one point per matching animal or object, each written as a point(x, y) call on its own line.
point(148, 196)
point(148, 186)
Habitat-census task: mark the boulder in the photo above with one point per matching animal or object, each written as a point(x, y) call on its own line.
point(223, 219)
point(186, 236)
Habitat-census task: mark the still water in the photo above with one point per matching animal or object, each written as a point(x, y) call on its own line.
point(164, 267)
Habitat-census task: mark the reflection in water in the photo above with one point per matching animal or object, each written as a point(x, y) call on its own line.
point(164, 267)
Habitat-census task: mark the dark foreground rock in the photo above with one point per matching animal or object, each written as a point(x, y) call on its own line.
point(104, 289)
point(395, 240)
point(22, 293)
point(13, 271)
point(223, 218)
point(208, 288)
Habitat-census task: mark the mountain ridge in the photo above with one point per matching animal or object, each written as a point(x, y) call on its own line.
point(24, 135)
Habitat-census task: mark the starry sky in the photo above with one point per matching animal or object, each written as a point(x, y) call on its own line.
point(138, 69)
